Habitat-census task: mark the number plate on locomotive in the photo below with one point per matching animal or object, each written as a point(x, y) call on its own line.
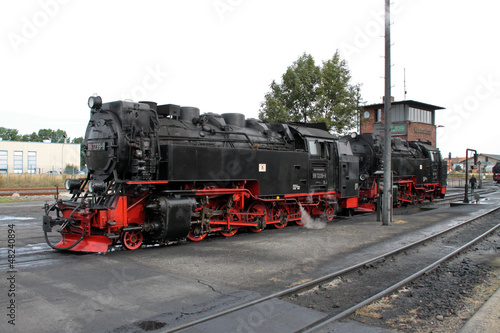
point(97, 146)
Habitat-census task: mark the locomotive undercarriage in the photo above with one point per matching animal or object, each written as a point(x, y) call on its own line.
point(410, 193)
point(226, 214)
point(94, 222)
point(407, 192)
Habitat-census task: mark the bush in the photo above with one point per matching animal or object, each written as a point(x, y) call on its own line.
point(71, 169)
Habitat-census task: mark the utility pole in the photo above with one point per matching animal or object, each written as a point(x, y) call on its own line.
point(387, 195)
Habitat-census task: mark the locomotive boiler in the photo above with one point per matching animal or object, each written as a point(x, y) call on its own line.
point(160, 173)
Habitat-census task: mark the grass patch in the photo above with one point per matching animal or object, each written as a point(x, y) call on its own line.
point(30, 181)
point(375, 309)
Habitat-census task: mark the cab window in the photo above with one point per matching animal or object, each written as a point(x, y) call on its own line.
point(321, 149)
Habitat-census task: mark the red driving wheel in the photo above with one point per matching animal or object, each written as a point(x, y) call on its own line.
point(229, 233)
point(277, 212)
point(256, 208)
point(132, 239)
point(196, 237)
point(329, 213)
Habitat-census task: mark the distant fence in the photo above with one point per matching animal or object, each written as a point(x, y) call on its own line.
point(460, 182)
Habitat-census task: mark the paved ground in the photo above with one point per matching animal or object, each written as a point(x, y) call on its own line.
point(487, 319)
point(140, 290)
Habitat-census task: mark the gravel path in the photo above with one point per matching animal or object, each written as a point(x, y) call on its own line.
point(443, 300)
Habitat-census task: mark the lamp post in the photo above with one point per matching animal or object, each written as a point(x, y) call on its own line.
point(62, 153)
point(438, 126)
point(479, 180)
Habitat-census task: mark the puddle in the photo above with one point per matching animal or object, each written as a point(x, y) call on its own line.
point(151, 325)
point(17, 218)
point(428, 208)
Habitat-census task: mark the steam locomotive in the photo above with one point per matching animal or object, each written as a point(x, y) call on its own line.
point(419, 171)
point(160, 173)
point(496, 172)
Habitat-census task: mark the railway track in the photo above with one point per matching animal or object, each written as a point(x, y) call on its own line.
point(412, 260)
point(5, 192)
point(460, 196)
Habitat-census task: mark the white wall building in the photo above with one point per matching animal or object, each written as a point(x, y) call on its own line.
point(37, 157)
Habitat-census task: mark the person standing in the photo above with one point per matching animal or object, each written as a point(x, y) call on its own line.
point(472, 182)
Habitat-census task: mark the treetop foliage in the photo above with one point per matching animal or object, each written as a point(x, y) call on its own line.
point(311, 93)
point(57, 136)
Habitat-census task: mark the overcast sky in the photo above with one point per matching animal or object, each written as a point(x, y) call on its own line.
point(222, 55)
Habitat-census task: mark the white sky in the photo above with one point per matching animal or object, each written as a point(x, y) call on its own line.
point(222, 55)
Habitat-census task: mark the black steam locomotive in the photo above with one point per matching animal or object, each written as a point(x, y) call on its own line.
point(159, 173)
point(419, 171)
point(496, 172)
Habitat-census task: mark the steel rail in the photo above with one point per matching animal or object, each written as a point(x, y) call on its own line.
point(322, 322)
point(322, 279)
point(27, 191)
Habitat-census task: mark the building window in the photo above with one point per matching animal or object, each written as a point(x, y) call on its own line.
point(4, 166)
point(397, 115)
point(487, 159)
point(420, 116)
point(378, 115)
point(32, 162)
point(18, 162)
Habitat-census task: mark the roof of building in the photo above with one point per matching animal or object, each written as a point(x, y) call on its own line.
point(493, 156)
point(410, 103)
point(455, 159)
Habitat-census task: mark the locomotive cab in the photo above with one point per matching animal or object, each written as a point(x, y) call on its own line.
point(438, 168)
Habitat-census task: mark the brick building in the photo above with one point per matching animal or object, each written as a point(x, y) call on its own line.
point(411, 120)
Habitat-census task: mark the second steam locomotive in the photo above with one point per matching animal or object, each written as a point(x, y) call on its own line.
point(159, 173)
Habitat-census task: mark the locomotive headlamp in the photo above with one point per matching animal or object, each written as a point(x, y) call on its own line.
point(96, 186)
point(72, 184)
point(95, 102)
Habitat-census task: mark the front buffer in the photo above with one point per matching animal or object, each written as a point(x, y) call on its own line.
point(87, 226)
point(90, 225)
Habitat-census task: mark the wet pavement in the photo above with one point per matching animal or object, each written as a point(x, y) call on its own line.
point(157, 288)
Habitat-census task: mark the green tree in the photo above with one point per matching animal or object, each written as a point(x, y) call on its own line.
point(71, 169)
point(33, 137)
point(295, 98)
point(274, 109)
point(54, 136)
point(339, 100)
point(310, 93)
point(9, 134)
point(77, 140)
